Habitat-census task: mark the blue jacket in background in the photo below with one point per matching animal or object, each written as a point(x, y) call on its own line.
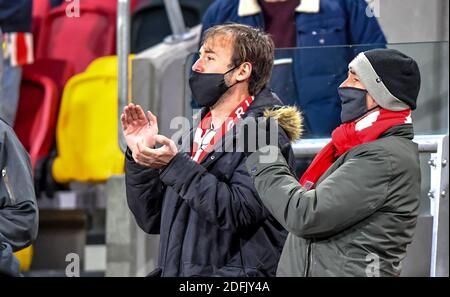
point(312, 79)
point(15, 15)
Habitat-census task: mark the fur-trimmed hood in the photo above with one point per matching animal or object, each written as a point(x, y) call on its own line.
point(267, 104)
point(289, 118)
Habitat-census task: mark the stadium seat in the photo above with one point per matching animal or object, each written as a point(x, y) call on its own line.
point(150, 24)
point(39, 11)
point(78, 40)
point(106, 65)
point(58, 70)
point(36, 115)
point(87, 129)
point(25, 256)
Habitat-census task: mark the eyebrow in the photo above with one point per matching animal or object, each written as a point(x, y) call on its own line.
point(210, 51)
point(354, 73)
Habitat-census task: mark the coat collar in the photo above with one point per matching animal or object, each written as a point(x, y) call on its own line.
point(405, 130)
point(251, 7)
point(265, 99)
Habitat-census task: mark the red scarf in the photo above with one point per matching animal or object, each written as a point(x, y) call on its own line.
point(18, 47)
point(228, 124)
point(349, 135)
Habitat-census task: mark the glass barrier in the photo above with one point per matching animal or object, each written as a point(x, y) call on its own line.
point(308, 77)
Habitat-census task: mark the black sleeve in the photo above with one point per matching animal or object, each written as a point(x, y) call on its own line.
point(18, 207)
point(145, 193)
point(231, 205)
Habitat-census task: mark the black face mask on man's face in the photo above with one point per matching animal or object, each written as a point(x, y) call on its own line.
point(207, 88)
point(353, 102)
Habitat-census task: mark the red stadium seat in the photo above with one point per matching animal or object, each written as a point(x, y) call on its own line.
point(78, 40)
point(40, 7)
point(58, 70)
point(36, 117)
point(40, 10)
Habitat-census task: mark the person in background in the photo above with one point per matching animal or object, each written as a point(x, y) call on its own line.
point(312, 79)
point(17, 46)
point(18, 207)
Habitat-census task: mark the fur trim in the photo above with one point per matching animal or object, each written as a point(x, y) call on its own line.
point(289, 118)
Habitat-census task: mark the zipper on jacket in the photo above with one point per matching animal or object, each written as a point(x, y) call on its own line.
point(8, 186)
point(308, 258)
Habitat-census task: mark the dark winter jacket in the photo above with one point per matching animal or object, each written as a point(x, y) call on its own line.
point(360, 217)
point(209, 216)
point(18, 208)
point(15, 15)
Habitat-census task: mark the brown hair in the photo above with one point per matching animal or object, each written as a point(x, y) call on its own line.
point(249, 45)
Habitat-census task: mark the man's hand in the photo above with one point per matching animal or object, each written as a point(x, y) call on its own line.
point(155, 158)
point(137, 127)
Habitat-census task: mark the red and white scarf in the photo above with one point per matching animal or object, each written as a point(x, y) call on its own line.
point(206, 136)
point(18, 47)
point(349, 135)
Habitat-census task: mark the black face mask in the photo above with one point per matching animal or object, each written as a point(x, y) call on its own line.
point(353, 102)
point(207, 88)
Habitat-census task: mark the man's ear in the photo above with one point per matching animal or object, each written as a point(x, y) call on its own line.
point(244, 71)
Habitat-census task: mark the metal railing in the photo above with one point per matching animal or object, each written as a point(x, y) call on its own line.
point(437, 146)
point(310, 147)
point(180, 33)
point(179, 30)
point(123, 50)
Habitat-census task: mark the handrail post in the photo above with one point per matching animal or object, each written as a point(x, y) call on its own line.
point(179, 31)
point(123, 50)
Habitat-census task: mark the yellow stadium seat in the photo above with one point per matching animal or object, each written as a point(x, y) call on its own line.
point(107, 64)
point(25, 256)
point(87, 128)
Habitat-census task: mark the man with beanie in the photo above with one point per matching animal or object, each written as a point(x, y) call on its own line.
point(354, 211)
